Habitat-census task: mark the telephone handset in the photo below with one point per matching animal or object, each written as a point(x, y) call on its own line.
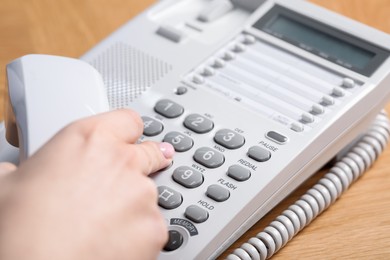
point(255, 97)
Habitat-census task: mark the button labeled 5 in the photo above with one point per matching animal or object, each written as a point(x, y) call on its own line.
point(179, 141)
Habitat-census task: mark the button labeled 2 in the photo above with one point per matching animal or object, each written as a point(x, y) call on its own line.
point(198, 123)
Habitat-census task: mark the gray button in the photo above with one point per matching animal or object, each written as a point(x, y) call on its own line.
point(209, 157)
point(168, 198)
point(152, 127)
point(217, 193)
point(181, 90)
point(179, 141)
point(187, 177)
point(229, 139)
point(277, 137)
point(198, 123)
point(196, 214)
point(259, 154)
point(168, 108)
point(348, 83)
point(175, 240)
point(170, 33)
point(239, 173)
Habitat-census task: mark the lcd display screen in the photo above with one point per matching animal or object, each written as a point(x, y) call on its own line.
point(322, 40)
point(324, 44)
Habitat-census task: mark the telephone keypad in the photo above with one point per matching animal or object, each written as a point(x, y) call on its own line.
point(168, 108)
point(152, 127)
point(209, 157)
point(217, 193)
point(169, 198)
point(187, 177)
point(198, 123)
point(179, 141)
point(196, 214)
point(239, 173)
point(229, 139)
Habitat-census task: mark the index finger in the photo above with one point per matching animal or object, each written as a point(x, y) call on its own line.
point(150, 157)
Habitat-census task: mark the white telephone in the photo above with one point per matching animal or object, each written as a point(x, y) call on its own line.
point(255, 96)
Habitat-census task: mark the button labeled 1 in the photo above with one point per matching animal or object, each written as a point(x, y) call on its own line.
point(168, 108)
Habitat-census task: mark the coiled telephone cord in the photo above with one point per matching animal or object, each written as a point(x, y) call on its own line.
point(324, 193)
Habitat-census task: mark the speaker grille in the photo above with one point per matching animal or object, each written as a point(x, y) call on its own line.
point(128, 72)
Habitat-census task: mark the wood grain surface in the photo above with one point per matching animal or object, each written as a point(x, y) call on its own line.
point(357, 226)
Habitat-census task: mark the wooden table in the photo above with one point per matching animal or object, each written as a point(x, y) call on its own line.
point(356, 227)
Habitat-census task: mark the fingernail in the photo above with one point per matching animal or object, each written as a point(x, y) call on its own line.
point(167, 150)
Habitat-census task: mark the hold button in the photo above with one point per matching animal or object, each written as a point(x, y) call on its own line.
point(276, 137)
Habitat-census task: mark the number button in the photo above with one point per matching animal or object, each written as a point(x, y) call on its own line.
point(187, 177)
point(152, 127)
point(169, 198)
point(179, 141)
point(198, 123)
point(209, 157)
point(168, 108)
point(229, 139)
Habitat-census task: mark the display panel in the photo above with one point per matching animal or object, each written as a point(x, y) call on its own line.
point(322, 40)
